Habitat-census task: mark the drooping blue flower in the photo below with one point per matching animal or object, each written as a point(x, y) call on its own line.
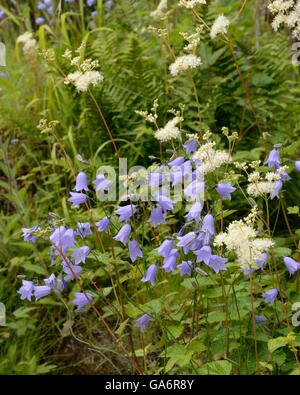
point(194, 189)
point(27, 234)
point(291, 265)
point(225, 190)
point(103, 225)
point(208, 225)
point(260, 319)
point(39, 20)
point(51, 282)
point(83, 229)
point(191, 146)
point(134, 250)
point(26, 290)
point(186, 239)
point(80, 254)
point(89, 3)
point(143, 322)
point(177, 162)
point(157, 217)
point(2, 14)
point(41, 5)
point(72, 271)
point(101, 183)
point(270, 295)
point(150, 274)
point(41, 291)
point(123, 234)
point(204, 254)
point(165, 248)
point(260, 262)
point(297, 165)
point(277, 189)
point(185, 268)
point(165, 203)
point(195, 212)
point(77, 198)
point(273, 159)
point(81, 182)
point(126, 212)
point(82, 299)
point(217, 263)
point(47, 2)
point(170, 261)
point(155, 179)
point(50, 10)
point(62, 239)
point(94, 13)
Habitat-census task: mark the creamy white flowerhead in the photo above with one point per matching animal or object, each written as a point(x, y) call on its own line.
point(170, 131)
point(219, 26)
point(82, 81)
point(286, 12)
point(191, 3)
point(210, 158)
point(160, 10)
point(183, 63)
point(29, 43)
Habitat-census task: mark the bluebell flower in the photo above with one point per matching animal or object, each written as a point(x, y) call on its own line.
point(83, 229)
point(39, 20)
point(185, 240)
point(81, 182)
point(123, 234)
point(143, 322)
point(185, 268)
point(194, 189)
point(80, 254)
point(291, 265)
point(170, 261)
point(225, 190)
point(260, 319)
point(134, 250)
point(72, 271)
point(27, 234)
point(208, 224)
point(157, 217)
point(2, 14)
point(297, 165)
point(41, 5)
point(77, 198)
point(150, 274)
point(41, 291)
point(101, 183)
point(177, 162)
point(277, 189)
point(165, 248)
point(47, 2)
point(94, 13)
point(165, 203)
point(89, 3)
point(50, 10)
point(273, 159)
point(103, 225)
point(191, 146)
point(204, 254)
point(260, 262)
point(26, 290)
point(270, 295)
point(62, 238)
point(195, 212)
point(51, 282)
point(217, 263)
point(126, 212)
point(82, 299)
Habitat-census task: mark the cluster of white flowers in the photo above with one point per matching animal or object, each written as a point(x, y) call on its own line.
point(29, 43)
point(219, 26)
point(210, 158)
point(170, 131)
point(258, 186)
point(183, 63)
point(191, 3)
point(85, 76)
point(286, 12)
point(160, 10)
point(152, 116)
point(192, 39)
point(242, 238)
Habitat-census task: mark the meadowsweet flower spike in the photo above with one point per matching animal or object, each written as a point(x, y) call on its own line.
point(170, 131)
point(191, 3)
point(184, 63)
point(219, 26)
point(160, 11)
